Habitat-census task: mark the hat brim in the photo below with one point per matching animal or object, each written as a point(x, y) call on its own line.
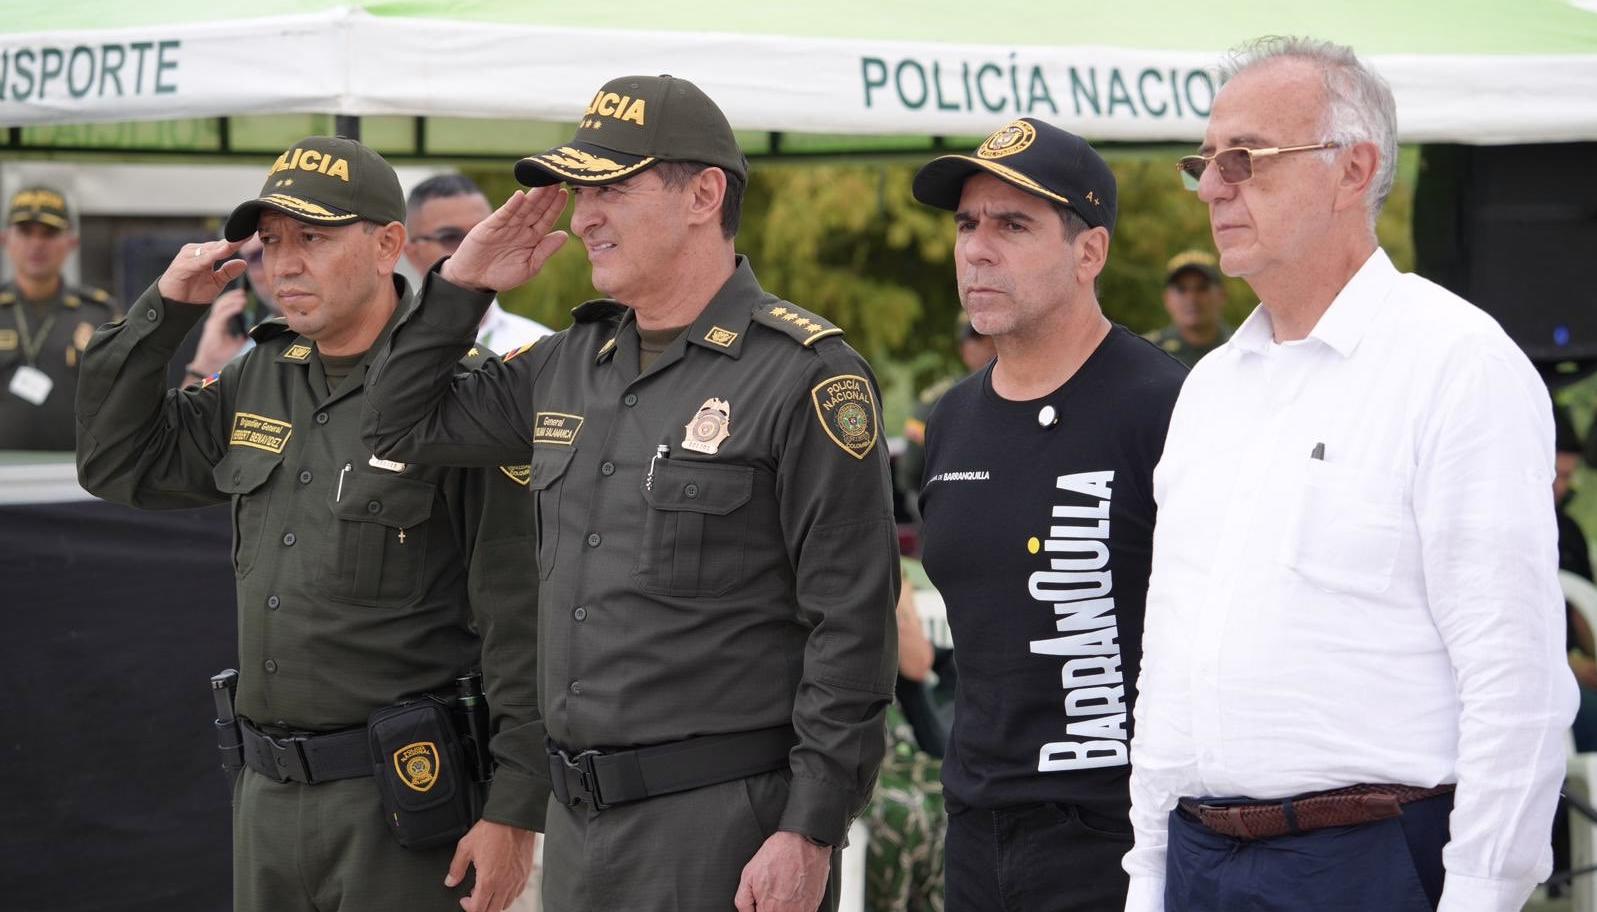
point(1208, 272)
point(940, 181)
point(246, 218)
point(48, 219)
point(579, 162)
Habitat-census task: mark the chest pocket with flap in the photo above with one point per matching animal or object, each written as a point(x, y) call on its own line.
point(548, 466)
point(694, 530)
point(380, 533)
point(243, 474)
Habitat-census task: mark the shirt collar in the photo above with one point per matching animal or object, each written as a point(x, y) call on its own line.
point(1344, 323)
point(724, 323)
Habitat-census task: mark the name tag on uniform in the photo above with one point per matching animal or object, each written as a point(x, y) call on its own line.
point(31, 385)
point(376, 463)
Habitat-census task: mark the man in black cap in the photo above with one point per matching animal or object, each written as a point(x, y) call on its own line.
point(1193, 297)
point(715, 537)
point(361, 581)
point(1037, 527)
point(44, 323)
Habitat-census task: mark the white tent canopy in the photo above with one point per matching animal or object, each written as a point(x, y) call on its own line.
point(1474, 72)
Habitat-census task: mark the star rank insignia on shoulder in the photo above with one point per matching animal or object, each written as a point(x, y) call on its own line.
point(796, 323)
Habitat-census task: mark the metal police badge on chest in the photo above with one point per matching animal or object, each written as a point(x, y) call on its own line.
point(709, 427)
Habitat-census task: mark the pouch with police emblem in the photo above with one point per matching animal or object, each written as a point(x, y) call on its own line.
point(428, 795)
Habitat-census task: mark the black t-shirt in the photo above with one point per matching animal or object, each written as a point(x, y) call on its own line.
point(1040, 540)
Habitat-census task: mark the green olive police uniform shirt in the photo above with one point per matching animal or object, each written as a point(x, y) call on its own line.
point(716, 539)
point(360, 581)
point(49, 337)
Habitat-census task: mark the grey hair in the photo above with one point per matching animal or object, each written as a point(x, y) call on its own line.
point(1359, 105)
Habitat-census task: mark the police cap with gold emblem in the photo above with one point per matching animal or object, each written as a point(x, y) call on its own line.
point(45, 205)
point(634, 123)
point(1035, 156)
point(324, 180)
point(1200, 261)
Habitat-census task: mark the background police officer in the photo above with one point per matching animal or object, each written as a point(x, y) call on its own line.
point(44, 323)
point(1194, 296)
point(716, 538)
point(360, 581)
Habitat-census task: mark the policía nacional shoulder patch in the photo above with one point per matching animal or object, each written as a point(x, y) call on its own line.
point(847, 412)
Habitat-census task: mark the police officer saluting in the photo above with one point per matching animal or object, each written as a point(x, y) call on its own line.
point(44, 323)
point(360, 580)
point(716, 538)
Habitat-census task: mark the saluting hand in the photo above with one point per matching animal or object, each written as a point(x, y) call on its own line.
point(509, 247)
point(194, 278)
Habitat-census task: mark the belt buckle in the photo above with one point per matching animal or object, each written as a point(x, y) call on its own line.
point(587, 779)
point(288, 755)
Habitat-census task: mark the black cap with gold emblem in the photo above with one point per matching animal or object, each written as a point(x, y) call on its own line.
point(634, 123)
point(324, 180)
point(1035, 156)
point(45, 205)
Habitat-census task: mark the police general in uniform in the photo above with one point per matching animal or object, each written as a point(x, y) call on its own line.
point(361, 581)
point(44, 323)
point(716, 543)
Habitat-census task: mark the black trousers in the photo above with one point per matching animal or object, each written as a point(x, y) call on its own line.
point(1393, 865)
point(1035, 858)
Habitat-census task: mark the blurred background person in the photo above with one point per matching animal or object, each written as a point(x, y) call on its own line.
point(976, 351)
point(44, 323)
point(438, 213)
point(1193, 297)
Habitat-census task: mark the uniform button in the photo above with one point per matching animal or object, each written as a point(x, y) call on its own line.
point(270, 665)
point(321, 417)
point(607, 468)
point(305, 477)
point(273, 601)
point(580, 614)
point(151, 315)
point(289, 539)
point(375, 506)
point(576, 687)
point(238, 476)
point(691, 489)
point(594, 539)
point(630, 399)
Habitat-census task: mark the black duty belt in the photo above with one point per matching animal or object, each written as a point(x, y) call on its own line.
point(306, 757)
point(605, 779)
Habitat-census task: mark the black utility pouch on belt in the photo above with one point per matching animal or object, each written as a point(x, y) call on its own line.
point(428, 793)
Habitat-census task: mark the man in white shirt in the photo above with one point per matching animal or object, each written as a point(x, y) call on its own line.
point(1354, 582)
point(438, 213)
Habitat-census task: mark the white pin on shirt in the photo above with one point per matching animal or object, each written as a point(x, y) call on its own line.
point(31, 385)
point(1047, 416)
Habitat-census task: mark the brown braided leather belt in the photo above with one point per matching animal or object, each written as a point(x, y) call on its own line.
point(1349, 806)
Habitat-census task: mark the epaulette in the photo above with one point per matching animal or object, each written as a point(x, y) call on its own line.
point(97, 295)
point(269, 328)
point(475, 357)
point(796, 323)
point(596, 310)
point(7, 296)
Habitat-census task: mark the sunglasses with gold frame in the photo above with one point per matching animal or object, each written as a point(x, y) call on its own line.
point(1236, 163)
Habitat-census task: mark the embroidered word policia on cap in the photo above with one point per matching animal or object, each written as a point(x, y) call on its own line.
point(312, 160)
point(620, 107)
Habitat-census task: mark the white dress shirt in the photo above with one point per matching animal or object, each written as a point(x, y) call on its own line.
point(1355, 581)
point(502, 331)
